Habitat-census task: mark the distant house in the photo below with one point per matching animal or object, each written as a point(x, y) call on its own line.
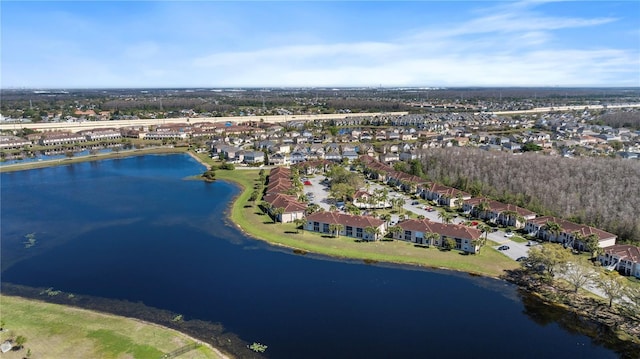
point(416, 231)
point(278, 159)
point(361, 227)
point(253, 157)
point(350, 155)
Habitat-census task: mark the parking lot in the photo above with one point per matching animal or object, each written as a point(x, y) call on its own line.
point(320, 196)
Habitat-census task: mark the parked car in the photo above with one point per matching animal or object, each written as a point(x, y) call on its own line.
point(508, 234)
point(520, 259)
point(503, 248)
point(415, 203)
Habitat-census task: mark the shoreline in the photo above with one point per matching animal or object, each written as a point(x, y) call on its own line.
point(90, 158)
point(111, 316)
point(236, 205)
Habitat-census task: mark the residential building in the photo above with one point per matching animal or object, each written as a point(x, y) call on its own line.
point(622, 257)
point(360, 227)
point(566, 236)
point(417, 231)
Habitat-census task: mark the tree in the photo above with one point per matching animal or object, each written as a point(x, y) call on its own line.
point(531, 147)
point(483, 209)
point(386, 217)
point(277, 214)
point(371, 232)
point(448, 244)
point(579, 274)
point(552, 228)
point(395, 231)
point(20, 341)
point(415, 168)
point(299, 222)
point(431, 238)
point(548, 258)
point(266, 207)
point(612, 285)
point(446, 217)
point(313, 208)
point(592, 245)
point(508, 215)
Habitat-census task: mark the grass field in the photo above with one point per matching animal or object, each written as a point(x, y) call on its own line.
point(248, 216)
point(56, 331)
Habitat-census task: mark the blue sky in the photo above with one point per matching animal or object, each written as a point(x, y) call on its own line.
point(89, 44)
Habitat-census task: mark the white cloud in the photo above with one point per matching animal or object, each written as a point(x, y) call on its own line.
point(506, 45)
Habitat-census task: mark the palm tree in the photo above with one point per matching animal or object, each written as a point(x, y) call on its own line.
point(312, 209)
point(508, 215)
point(459, 202)
point(431, 238)
point(371, 232)
point(386, 217)
point(339, 228)
point(277, 214)
point(483, 209)
point(266, 206)
point(445, 217)
point(299, 222)
point(332, 229)
point(552, 228)
point(395, 230)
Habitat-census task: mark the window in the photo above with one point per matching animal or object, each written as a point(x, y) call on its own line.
point(316, 226)
point(349, 231)
point(407, 234)
point(325, 227)
point(358, 232)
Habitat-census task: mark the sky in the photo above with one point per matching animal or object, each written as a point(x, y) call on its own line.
point(147, 44)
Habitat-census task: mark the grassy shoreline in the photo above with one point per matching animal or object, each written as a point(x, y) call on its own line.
point(245, 216)
point(57, 331)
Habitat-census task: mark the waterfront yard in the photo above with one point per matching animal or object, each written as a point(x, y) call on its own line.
point(56, 331)
point(249, 217)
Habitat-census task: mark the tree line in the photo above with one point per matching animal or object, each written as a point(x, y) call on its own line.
point(600, 192)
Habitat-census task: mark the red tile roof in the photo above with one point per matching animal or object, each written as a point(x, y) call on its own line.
point(445, 229)
point(345, 219)
point(624, 252)
point(289, 203)
point(570, 227)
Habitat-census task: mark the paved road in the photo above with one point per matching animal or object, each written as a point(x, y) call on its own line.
point(85, 125)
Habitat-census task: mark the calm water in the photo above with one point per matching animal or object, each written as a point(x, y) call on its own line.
point(134, 229)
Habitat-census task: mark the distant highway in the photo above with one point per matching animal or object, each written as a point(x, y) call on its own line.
point(87, 125)
point(563, 108)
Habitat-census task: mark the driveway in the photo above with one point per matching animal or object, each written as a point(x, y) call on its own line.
point(515, 251)
point(320, 191)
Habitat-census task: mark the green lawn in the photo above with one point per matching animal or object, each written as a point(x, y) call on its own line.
point(57, 331)
point(248, 216)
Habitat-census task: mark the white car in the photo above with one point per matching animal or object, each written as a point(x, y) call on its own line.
point(508, 234)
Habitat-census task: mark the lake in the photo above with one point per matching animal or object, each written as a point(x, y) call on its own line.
point(135, 229)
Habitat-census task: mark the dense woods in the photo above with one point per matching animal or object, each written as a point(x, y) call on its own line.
point(602, 192)
point(630, 119)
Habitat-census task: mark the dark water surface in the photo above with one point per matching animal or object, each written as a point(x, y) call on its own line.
point(134, 229)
